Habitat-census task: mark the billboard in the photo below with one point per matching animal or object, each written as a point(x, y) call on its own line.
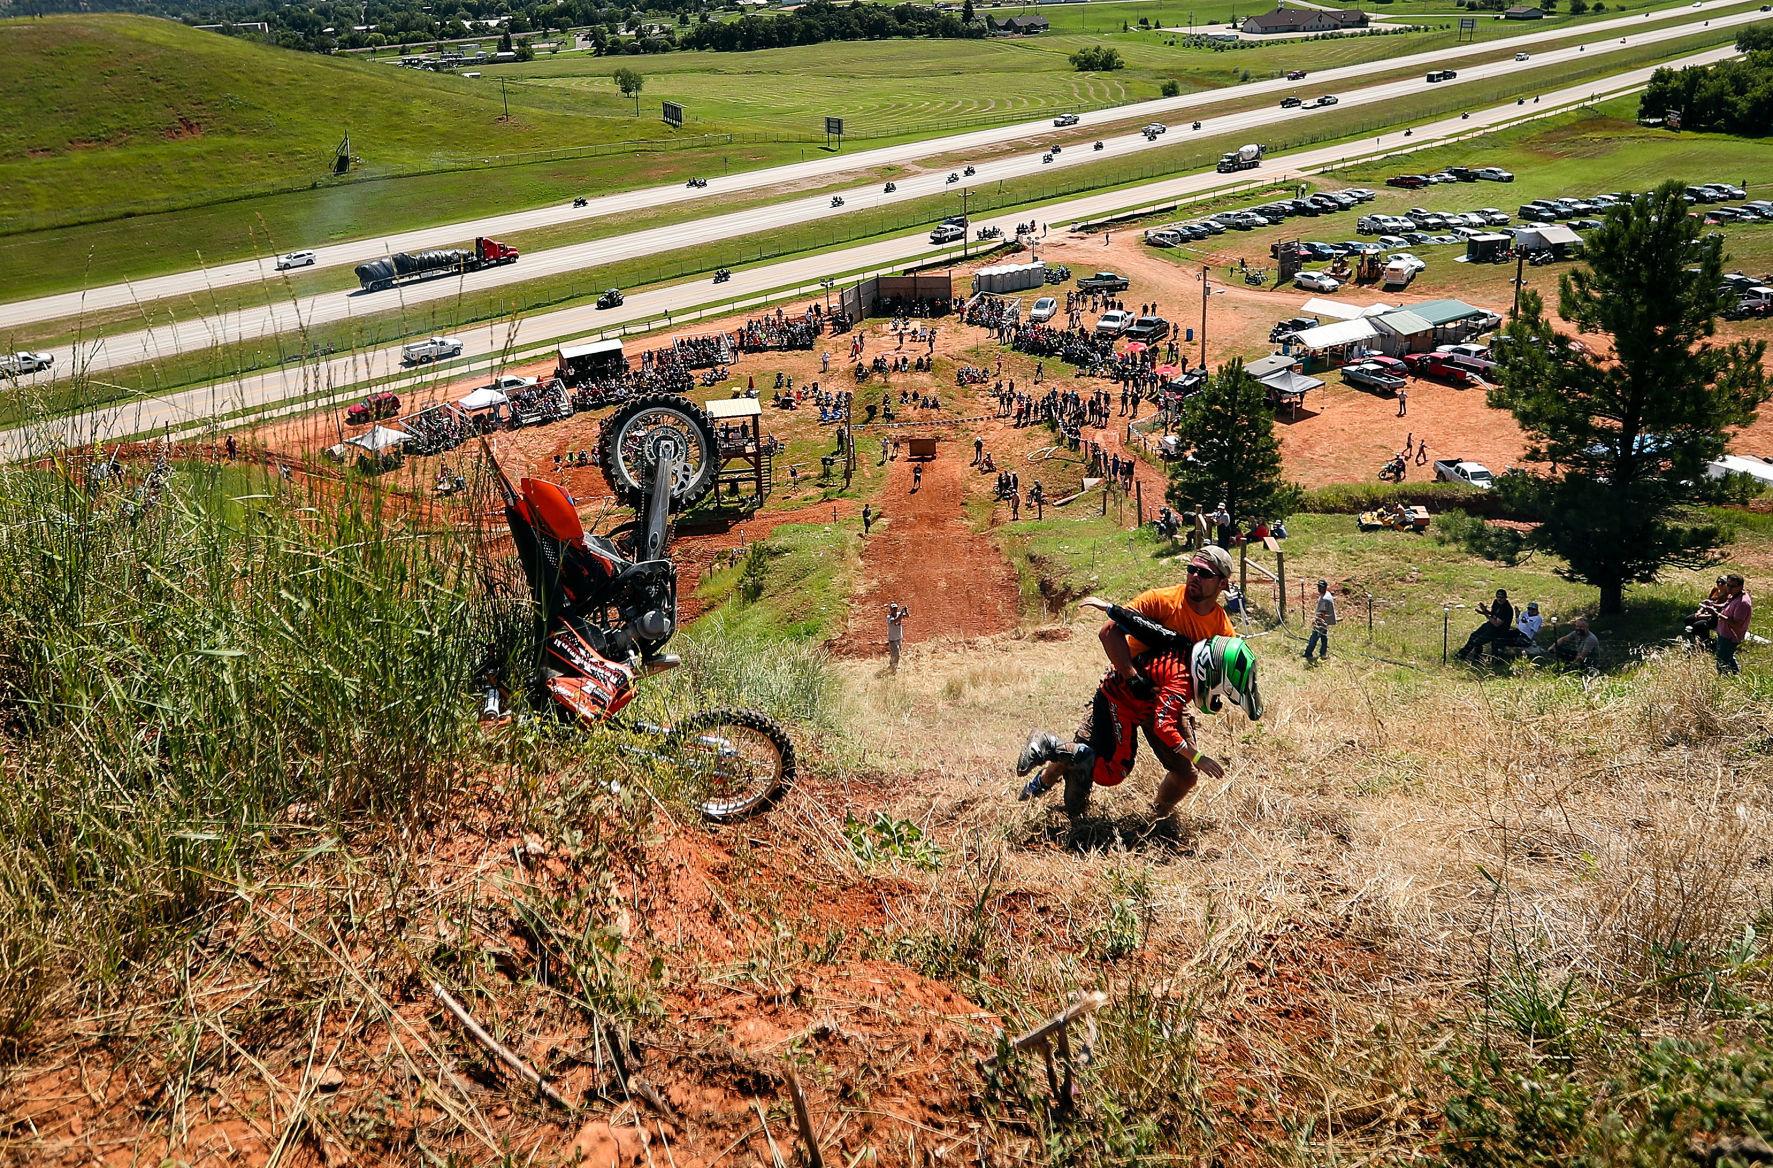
point(673, 114)
point(834, 127)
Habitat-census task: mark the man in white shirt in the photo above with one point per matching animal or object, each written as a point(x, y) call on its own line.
point(1321, 620)
point(1529, 624)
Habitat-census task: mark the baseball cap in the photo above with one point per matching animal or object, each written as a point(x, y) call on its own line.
point(1216, 558)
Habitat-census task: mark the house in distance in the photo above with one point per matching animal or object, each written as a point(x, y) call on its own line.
point(1297, 20)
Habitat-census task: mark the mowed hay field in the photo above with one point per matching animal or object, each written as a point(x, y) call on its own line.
point(111, 114)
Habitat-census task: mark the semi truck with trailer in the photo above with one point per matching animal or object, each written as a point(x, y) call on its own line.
point(404, 267)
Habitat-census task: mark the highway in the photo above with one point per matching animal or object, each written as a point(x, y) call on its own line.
point(488, 342)
point(201, 332)
point(1184, 108)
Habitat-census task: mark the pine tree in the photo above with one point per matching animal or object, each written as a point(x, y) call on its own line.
point(966, 12)
point(1236, 457)
point(1624, 429)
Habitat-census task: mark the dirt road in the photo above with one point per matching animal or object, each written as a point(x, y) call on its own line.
point(955, 581)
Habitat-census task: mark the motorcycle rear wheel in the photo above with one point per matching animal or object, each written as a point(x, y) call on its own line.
point(737, 762)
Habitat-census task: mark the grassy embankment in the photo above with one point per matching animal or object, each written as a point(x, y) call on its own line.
point(247, 162)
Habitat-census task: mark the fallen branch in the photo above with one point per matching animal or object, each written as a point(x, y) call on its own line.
point(511, 1062)
point(803, 1120)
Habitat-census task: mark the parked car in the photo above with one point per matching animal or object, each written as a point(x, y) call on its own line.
point(1371, 375)
point(1408, 182)
point(1460, 470)
point(1045, 309)
point(1494, 174)
point(1113, 323)
point(295, 259)
point(430, 349)
point(1316, 282)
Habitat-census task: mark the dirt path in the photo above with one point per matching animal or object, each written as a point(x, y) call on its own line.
point(926, 556)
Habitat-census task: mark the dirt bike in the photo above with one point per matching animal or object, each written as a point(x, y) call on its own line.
point(609, 603)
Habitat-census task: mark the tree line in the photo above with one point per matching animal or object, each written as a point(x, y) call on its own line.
point(821, 21)
point(1731, 97)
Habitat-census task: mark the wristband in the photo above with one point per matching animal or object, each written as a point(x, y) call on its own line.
point(1194, 758)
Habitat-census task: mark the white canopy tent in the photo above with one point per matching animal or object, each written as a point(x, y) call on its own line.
point(380, 438)
point(483, 398)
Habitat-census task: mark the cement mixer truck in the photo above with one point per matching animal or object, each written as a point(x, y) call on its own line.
point(1243, 158)
point(403, 267)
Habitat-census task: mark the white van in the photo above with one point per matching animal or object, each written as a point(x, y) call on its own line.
point(1165, 237)
point(430, 349)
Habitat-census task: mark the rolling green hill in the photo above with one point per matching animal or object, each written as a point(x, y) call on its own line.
point(113, 112)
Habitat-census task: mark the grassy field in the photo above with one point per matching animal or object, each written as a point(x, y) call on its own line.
point(239, 138)
point(229, 360)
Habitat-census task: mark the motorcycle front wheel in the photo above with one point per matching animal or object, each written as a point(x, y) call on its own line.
point(737, 763)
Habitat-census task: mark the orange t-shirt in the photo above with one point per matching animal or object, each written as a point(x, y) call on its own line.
point(1169, 608)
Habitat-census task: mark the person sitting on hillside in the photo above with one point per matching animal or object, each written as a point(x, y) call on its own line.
point(1498, 623)
point(1699, 627)
point(1527, 626)
point(1579, 648)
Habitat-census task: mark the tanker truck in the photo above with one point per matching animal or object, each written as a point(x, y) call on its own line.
point(403, 267)
point(1243, 158)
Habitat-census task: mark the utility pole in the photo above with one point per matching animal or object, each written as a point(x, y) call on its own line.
point(505, 98)
point(1520, 268)
point(1203, 314)
point(966, 224)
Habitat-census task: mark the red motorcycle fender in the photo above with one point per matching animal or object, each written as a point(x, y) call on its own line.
point(553, 511)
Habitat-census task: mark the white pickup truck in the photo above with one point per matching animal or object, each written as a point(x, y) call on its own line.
point(1459, 470)
point(19, 364)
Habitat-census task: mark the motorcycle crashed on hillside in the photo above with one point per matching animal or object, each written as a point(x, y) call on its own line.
point(608, 606)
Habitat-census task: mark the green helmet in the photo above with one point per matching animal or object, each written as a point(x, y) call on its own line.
point(1224, 670)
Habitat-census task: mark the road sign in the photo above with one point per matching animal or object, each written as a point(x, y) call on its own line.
point(673, 114)
point(834, 127)
point(1468, 28)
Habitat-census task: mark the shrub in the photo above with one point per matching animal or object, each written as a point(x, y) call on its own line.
point(1097, 59)
point(1170, 89)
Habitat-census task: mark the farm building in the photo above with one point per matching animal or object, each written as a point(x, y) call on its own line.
point(1018, 25)
point(1292, 20)
point(1523, 12)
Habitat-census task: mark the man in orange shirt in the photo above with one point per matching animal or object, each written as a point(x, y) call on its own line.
point(1190, 609)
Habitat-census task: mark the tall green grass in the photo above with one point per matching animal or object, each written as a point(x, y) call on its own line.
point(191, 669)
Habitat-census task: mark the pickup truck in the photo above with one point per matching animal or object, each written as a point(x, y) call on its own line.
point(1113, 323)
point(1104, 282)
point(19, 364)
point(1441, 367)
point(1459, 470)
point(1369, 375)
point(1149, 329)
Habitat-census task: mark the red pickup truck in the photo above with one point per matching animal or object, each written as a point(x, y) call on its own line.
point(1440, 367)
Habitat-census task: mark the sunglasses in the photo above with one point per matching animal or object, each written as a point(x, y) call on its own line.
point(1204, 573)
